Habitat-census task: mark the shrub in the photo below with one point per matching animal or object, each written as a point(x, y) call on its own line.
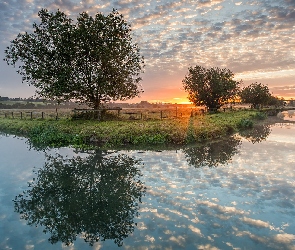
point(245, 123)
point(260, 116)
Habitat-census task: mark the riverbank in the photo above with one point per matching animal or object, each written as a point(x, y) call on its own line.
point(110, 134)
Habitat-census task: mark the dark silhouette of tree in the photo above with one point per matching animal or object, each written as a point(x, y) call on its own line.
point(211, 87)
point(97, 196)
point(275, 101)
point(257, 134)
point(92, 61)
point(256, 94)
point(212, 154)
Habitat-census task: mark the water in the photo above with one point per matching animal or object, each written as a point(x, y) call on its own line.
point(233, 194)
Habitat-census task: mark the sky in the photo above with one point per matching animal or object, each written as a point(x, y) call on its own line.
point(254, 39)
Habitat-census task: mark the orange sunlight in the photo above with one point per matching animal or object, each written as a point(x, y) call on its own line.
point(180, 100)
point(175, 100)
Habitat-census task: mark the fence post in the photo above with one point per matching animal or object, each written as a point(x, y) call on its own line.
point(12, 114)
point(21, 115)
point(31, 115)
point(42, 115)
point(56, 117)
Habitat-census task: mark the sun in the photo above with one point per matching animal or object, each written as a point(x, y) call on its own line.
point(180, 100)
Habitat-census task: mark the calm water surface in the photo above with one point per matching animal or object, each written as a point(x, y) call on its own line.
point(233, 194)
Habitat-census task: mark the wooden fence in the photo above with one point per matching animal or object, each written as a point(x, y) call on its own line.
point(125, 114)
point(34, 114)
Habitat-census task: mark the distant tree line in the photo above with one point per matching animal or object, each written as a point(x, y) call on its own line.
point(31, 103)
point(17, 99)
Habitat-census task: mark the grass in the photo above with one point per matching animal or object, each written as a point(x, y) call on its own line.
point(214, 126)
point(110, 134)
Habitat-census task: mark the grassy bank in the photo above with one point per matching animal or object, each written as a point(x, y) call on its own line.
point(110, 134)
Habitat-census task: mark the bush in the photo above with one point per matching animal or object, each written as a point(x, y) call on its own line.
point(245, 124)
point(43, 135)
point(260, 116)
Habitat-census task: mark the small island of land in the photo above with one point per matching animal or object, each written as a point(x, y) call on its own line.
point(189, 126)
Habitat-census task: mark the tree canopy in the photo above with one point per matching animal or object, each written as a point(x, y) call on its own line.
point(96, 197)
point(256, 94)
point(91, 61)
point(211, 87)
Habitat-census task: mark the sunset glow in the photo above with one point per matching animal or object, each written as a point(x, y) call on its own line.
point(254, 39)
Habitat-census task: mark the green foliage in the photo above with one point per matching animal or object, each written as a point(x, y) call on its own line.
point(256, 94)
point(92, 61)
point(50, 135)
point(245, 124)
point(113, 134)
point(93, 115)
point(214, 126)
point(260, 116)
point(149, 139)
point(275, 101)
point(210, 87)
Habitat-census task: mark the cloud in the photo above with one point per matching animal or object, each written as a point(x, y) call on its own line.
point(287, 91)
point(244, 36)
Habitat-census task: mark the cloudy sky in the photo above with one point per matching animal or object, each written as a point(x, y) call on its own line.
point(254, 39)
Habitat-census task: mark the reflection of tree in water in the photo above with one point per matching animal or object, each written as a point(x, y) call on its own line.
point(212, 154)
point(257, 134)
point(97, 196)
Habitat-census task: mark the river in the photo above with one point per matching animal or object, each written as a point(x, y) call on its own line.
point(237, 193)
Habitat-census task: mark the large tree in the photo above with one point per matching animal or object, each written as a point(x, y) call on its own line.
point(211, 87)
point(256, 94)
point(92, 60)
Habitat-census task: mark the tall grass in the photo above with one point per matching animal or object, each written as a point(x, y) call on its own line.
point(108, 134)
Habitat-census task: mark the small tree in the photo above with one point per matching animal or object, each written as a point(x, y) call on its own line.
point(91, 61)
point(210, 87)
point(256, 94)
point(275, 101)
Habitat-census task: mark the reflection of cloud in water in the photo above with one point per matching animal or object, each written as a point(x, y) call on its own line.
point(256, 223)
point(283, 135)
point(248, 203)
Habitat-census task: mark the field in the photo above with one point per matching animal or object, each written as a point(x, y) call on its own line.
point(129, 127)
